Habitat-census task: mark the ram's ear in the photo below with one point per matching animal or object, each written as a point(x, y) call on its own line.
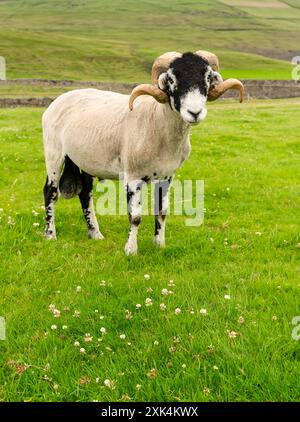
point(162, 81)
point(216, 78)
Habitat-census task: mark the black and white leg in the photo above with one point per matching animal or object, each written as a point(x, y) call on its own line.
point(50, 197)
point(87, 204)
point(134, 201)
point(161, 192)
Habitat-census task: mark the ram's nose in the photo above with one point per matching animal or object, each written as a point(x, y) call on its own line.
point(195, 114)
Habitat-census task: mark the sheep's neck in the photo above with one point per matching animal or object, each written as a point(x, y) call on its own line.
point(174, 128)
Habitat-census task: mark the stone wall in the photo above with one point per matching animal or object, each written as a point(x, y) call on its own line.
point(264, 89)
point(260, 89)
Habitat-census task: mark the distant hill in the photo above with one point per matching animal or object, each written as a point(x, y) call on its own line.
point(114, 40)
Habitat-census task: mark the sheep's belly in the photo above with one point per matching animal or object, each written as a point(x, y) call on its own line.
point(103, 169)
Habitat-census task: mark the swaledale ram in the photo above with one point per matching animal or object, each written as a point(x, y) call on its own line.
point(145, 136)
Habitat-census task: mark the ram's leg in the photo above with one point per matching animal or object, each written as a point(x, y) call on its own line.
point(161, 193)
point(87, 204)
point(50, 197)
point(134, 201)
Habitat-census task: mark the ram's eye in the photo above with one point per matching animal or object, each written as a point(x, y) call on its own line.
point(171, 81)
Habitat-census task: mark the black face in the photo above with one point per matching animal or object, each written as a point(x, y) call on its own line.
point(187, 73)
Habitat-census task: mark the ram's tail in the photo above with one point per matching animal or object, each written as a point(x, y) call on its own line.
point(70, 183)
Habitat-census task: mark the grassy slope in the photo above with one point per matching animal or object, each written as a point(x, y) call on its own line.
point(117, 40)
point(249, 149)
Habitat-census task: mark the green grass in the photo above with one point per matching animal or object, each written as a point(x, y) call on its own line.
point(248, 156)
point(19, 90)
point(118, 41)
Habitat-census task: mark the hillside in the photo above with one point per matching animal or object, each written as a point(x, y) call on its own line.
point(118, 40)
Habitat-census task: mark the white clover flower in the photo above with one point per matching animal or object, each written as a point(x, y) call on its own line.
point(171, 283)
point(82, 350)
point(203, 311)
point(183, 366)
point(232, 334)
point(177, 311)
point(109, 384)
point(241, 320)
point(53, 327)
point(56, 313)
point(78, 289)
point(35, 224)
point(170, 292)
point(10, 221)
point(227, 297)
point(149, 290)
point(258, 234)
point(88, 338)
point(97, 380)
point(76, 343)
point(102, 283)
point(64, 327)
point(34, 213)
point(96, 311)
point(128, 314)
point(162, 306)
point(103, 330)
point(101, 317)
point(138, 387)
point(146, 276)
point(156, 343)
point(122, 336)
point(165, 292)
point(274, 318)
point(76, 314)
point(138, 306)
point(206, 391)
point(148, 301)
point(215, 368)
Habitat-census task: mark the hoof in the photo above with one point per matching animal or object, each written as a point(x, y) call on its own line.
point(159, 242)
point(95, 235)
point(50, 236)
point(130, 249)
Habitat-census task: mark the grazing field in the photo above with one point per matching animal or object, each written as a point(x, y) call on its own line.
point(118, 40)
point(241, 268)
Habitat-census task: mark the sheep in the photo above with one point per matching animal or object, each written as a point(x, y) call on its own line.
point(94, 133)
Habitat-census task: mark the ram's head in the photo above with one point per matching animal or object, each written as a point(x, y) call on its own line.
point(186, 81)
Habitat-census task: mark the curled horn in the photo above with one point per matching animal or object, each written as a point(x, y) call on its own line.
point(160, 65)
point(221, 87)
point(148, 89)
point(211, 58)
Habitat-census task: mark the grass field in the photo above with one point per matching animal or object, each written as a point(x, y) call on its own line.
point(118, 40)
point(248, 155)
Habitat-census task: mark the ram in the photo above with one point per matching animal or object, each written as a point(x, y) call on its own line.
point(91, 133)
